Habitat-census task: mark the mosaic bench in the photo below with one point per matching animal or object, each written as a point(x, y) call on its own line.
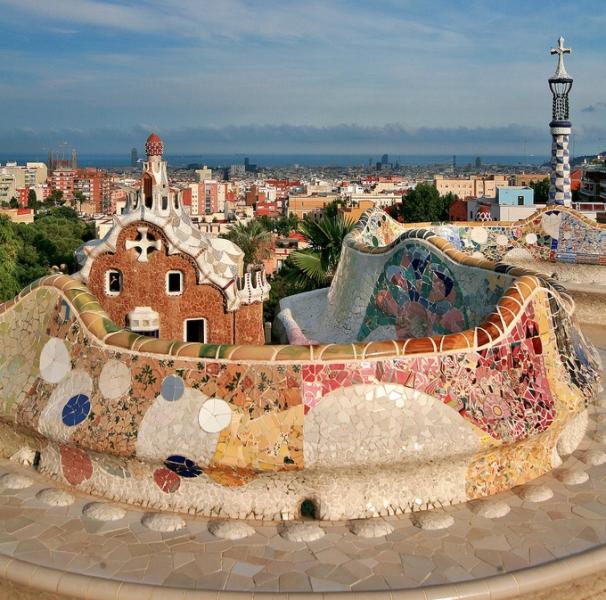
point(354, 430)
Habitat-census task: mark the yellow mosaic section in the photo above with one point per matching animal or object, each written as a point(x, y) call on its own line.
point(268, 443)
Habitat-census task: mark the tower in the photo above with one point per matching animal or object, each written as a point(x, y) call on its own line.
point(560, 84)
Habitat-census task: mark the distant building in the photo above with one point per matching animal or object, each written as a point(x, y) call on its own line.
point(525, 179)
point(14, 177)
point(203, 174)
point(478, 162)
point(208, 197)
point(134, 157)
point(236, 171)
point(476, 186)
point(18, 215)
point(54, 162)
point(63, 179)
point(248, 166)
point(458, 210)
point(593, 183)
point(385, 159)
point(510, 204)
point(95, 186)
point(304, 205)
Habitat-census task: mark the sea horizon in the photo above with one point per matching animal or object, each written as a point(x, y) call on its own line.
point(217, 160)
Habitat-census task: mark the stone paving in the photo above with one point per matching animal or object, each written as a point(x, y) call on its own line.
point(335, 559)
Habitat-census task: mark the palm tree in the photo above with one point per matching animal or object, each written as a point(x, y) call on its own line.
point(253, 239)
point(316, 265)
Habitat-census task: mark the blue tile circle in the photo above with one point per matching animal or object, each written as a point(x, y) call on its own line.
point(182, 466)
point(76, 410)
point(172, 388)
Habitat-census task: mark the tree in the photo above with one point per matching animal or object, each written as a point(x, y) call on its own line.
point(541, 190)
point(283, 225)
point(79, 198)
point(14, 203)
point(55, 198)
point(315, 266)
point(286, 282)
point(32, 200)
point(9, 249)
point(423, 204)
point(253, 239)
point(27, 251)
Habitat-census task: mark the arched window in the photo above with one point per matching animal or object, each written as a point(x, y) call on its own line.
point(113, 282)
point(164, 202)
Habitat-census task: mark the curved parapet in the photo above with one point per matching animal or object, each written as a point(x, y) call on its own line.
point(455, 413)
point(554, 233)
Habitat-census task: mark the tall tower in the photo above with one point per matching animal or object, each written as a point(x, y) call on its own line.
point(560, 84)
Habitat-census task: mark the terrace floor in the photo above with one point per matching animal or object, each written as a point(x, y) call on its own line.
point(57, 552)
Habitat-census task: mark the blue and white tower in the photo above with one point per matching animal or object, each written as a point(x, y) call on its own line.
point(560, 84)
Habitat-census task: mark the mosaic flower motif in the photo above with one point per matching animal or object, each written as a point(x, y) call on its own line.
point(418, 296)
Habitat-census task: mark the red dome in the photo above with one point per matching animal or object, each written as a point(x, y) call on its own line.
point(154, 145)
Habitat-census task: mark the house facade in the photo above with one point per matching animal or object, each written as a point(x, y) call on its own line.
point(156, 273)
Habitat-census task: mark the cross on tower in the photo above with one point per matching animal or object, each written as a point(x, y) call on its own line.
point(560, 51)
point(145, 245)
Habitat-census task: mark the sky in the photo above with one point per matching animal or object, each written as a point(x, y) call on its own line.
point(306, 76)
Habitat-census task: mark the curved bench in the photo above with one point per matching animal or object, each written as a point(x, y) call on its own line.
point(359, 429)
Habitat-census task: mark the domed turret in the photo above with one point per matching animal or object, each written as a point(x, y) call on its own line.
point(154, 145)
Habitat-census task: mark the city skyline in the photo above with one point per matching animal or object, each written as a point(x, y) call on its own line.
point(245, 77)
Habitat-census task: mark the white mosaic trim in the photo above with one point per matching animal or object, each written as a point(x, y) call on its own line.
point(54, 497)
point(163, 522)
point(492, 509)
point(570, 477)
point(302, 532)
point(230, 530)
point(15, 481)
point(102, 511)
point(536, 493)
point(371, 528)
point(432, 520)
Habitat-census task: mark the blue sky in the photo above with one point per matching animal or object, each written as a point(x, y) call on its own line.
point(423, 76)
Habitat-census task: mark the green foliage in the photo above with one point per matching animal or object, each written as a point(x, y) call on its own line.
point(14, 203)
point(286, 282)
point(27, 251)
point(78, 198)
point(541, 190)
point(423, 204)
point(253, 239)
point(283, 226)
point(314, 267)
point(325, 234)
point(55, 198)
point(9, 249)
point(32, 201)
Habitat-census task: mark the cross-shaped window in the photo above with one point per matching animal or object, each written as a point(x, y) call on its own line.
point(145, 244)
